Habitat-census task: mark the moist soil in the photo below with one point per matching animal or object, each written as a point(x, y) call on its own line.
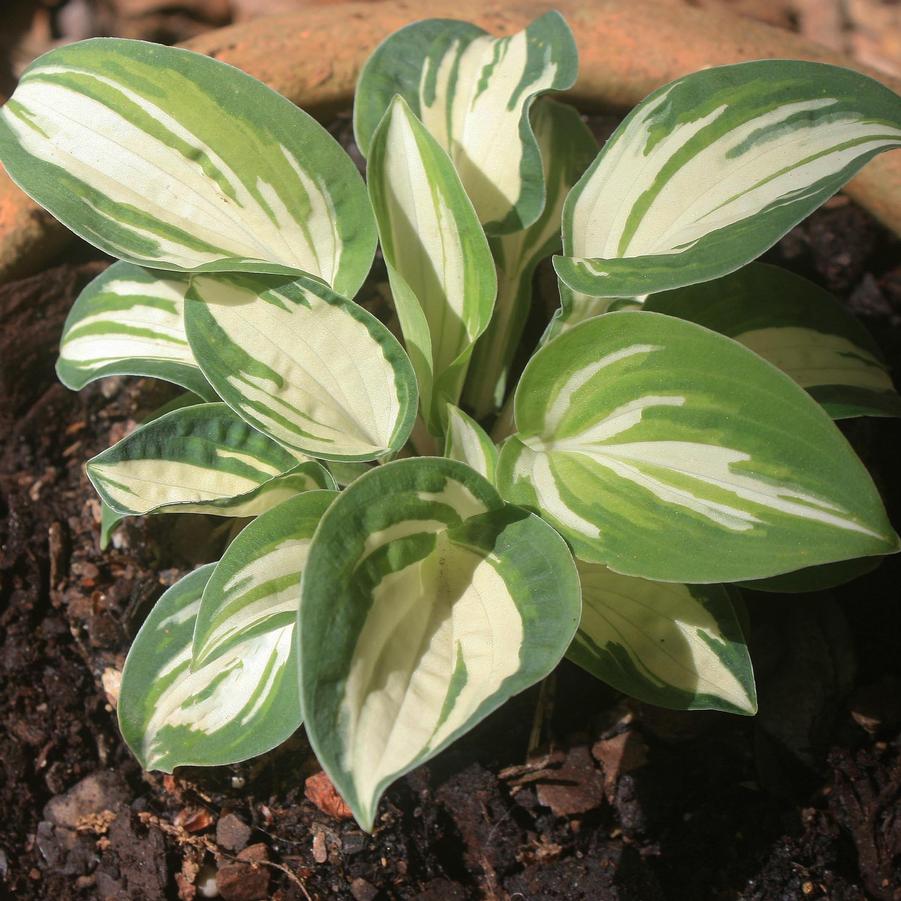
point(569, 791)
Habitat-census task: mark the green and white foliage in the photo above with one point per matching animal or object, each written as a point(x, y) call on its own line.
point(673, 645)
point(201, 459)
point(303, 365)
point(466, 441)
point(711, 170)
point(170, 159)
point(667, 451)
point(798, 327)
point(473, 92)
point(211, 677)
point(567, 147)
point(439, 263)
point(109, 518)
point(159, 658)
point(653, 450)
point(255, 591)
point(427, 602)
point(130, 321)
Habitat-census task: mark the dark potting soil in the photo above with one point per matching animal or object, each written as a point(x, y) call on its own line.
point(569, 791)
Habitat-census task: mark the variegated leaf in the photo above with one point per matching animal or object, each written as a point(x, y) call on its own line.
point(567, 147)
point(130, 321)
point(110, 518)
point(170, 159)
point(426, 603)
point(235, 695)
point(439, 263)
point(201, 459)
point(711, 170)
point(303, 365)
point(255, 590)
point(237, 706)
point(473, 93)
point(798, 327)
point(673, 645)
point(466, 441)
point(667, 451)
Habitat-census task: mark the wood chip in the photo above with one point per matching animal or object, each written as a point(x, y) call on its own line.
point(619, 755)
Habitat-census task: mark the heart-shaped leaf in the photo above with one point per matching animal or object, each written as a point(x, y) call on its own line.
point(709, 171)
point(427, 602)
point(303, 365)
point(173, 160)
point(667, 451)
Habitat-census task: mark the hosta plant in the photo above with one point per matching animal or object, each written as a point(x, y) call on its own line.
point(401, 575)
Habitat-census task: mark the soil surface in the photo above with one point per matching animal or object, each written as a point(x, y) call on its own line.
point(569, 791)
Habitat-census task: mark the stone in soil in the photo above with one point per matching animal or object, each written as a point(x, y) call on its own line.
point(247, 878)
point(232, 833)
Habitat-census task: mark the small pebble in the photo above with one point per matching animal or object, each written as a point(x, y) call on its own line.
point(320, 852)
point(232, 833)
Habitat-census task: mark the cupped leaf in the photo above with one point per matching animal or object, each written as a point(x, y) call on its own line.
point(303, 365)
point(439, 263)
point(130, 321)
point(170, 159)
point(711, 170)
point(426, 603)
point(667, 451)
point(673, 645)
point(798, 327)
point(567, 147)
point(240, 705)
point(473, 93)
point(467, 442)
point(201, 459)
point(815, 578)
point(253, 597)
